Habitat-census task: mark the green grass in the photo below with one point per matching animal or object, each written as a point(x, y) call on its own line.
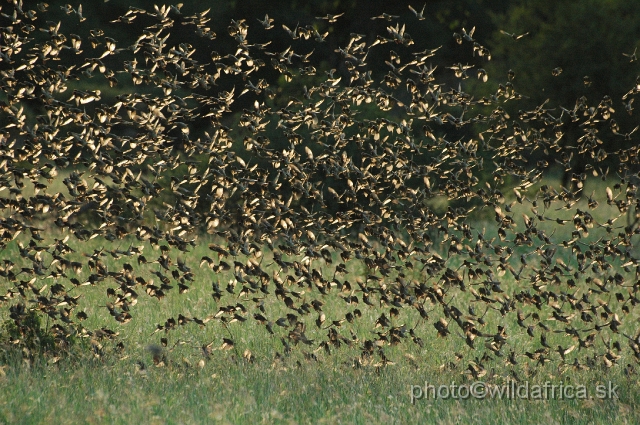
point(165, 377)
point(222, 390)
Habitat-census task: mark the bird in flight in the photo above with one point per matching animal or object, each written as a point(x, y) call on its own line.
point(267, 23)
point(514, 35)
point(420, 15)
point(385, 16)
point(330, 18)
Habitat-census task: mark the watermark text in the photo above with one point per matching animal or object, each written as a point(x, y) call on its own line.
point(512, 390)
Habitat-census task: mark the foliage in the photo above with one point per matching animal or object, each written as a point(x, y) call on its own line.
point(575, 58)
point(24, 334)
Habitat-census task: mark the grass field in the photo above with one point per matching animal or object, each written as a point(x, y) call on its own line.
point(191, 374)
point(224, 390)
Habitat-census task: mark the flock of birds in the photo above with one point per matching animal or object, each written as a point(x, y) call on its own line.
point(343, 206)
